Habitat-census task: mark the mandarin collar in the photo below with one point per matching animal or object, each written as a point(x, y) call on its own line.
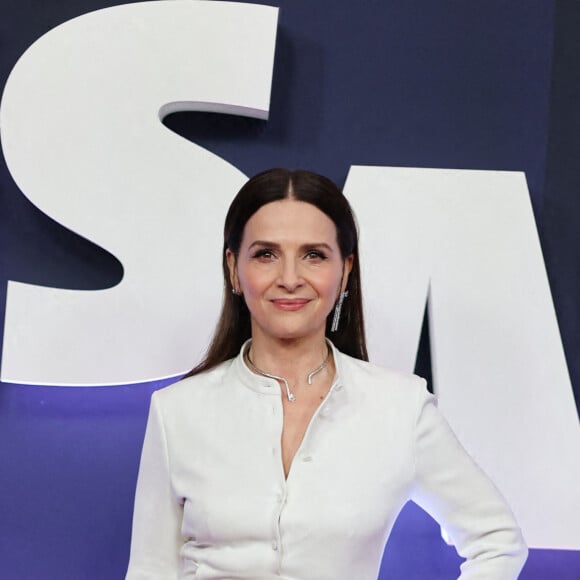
point(267, 386)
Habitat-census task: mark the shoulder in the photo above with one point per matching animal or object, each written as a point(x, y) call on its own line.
point(195, 388)
point(369, 375)
point(390, 394)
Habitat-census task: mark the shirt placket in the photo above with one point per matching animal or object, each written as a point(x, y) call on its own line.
point(282, 491)
point(304, 454)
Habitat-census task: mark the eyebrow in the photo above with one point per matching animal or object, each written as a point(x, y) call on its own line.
point(276, 246)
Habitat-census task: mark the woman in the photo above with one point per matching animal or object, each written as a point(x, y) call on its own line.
point(284, 454)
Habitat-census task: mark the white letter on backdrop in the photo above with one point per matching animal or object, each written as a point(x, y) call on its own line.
point(467, 241)
point(83, 140)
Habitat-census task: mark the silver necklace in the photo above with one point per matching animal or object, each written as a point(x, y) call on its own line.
point(289, 393)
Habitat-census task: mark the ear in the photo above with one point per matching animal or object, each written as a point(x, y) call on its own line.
point(348, 263)
point(231, 261)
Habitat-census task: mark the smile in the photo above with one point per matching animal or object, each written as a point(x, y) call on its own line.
point(290, 304)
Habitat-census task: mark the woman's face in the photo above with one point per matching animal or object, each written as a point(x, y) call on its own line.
point(289, 270)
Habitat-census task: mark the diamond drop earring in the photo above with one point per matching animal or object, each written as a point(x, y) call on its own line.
point(337, 311)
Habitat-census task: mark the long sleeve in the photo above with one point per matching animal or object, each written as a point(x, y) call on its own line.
point(454, 490)
point(158, 513)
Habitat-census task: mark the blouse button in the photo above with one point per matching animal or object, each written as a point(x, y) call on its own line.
point(274, 546)
point(307, 458)
point(338, 388)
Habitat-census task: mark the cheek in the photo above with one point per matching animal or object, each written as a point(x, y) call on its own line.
point(329, 287)
point(253, 282)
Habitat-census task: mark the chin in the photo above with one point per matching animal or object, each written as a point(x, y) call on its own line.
point(290, 327)
point(293, 333)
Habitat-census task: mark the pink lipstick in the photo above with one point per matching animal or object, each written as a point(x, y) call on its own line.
point(290, 304)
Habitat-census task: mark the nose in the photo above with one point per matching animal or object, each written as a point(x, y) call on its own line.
point(290, 277)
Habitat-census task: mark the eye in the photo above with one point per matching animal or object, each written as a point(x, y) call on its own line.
point(315, 255)
point(264, 254)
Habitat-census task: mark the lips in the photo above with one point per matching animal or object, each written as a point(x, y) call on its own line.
point(290, 304)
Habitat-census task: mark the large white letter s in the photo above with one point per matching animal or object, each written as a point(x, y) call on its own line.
point(82, 138)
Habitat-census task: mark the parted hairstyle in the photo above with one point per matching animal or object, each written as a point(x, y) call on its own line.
point(233, 327)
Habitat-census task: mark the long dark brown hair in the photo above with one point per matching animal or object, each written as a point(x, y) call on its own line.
point(234, 327)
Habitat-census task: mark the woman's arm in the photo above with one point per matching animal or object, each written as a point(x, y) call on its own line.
point(455, 491)
point(156, 537)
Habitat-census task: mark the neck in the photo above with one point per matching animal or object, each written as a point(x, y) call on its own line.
point(324, 366)
point(292, 359)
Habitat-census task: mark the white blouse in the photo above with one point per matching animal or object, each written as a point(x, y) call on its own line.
point(212, 501)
